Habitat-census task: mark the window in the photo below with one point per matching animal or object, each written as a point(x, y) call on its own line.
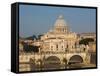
point(57, 47)
point(62, 47)
point(67, 46)
point(51, 47)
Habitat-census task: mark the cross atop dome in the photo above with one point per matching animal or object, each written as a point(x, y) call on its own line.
point(60, 16)
point(60, 21)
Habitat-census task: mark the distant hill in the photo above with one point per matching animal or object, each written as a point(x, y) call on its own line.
point(31, 37)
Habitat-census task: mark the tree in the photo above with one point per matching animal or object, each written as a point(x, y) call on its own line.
point(86, 41)
point(30, 48)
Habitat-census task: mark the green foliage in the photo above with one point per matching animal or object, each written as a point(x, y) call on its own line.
point(86, 41)
point(30, 48)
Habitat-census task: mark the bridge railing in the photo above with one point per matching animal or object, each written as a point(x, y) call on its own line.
point(51, 52)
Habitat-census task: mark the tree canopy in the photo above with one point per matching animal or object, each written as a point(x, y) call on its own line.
point(86, 41)
point(30, 48)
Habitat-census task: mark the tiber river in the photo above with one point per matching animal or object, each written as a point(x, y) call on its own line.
point(55, 66)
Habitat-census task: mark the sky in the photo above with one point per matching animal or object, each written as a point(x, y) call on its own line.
point(35, 20)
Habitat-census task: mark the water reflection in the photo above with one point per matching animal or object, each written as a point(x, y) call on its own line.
point(56, 66)
point(50, 64)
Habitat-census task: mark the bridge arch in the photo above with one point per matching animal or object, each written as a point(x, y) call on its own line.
point(76, 59)
point(52, 62)
point(52, 59)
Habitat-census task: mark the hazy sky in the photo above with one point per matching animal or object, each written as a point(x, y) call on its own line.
point(34, 20)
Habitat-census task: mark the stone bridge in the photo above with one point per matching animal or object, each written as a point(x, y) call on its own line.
point(81, 57)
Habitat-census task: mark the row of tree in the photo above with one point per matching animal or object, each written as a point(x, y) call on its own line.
point(86, 41)
point(30, 48)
